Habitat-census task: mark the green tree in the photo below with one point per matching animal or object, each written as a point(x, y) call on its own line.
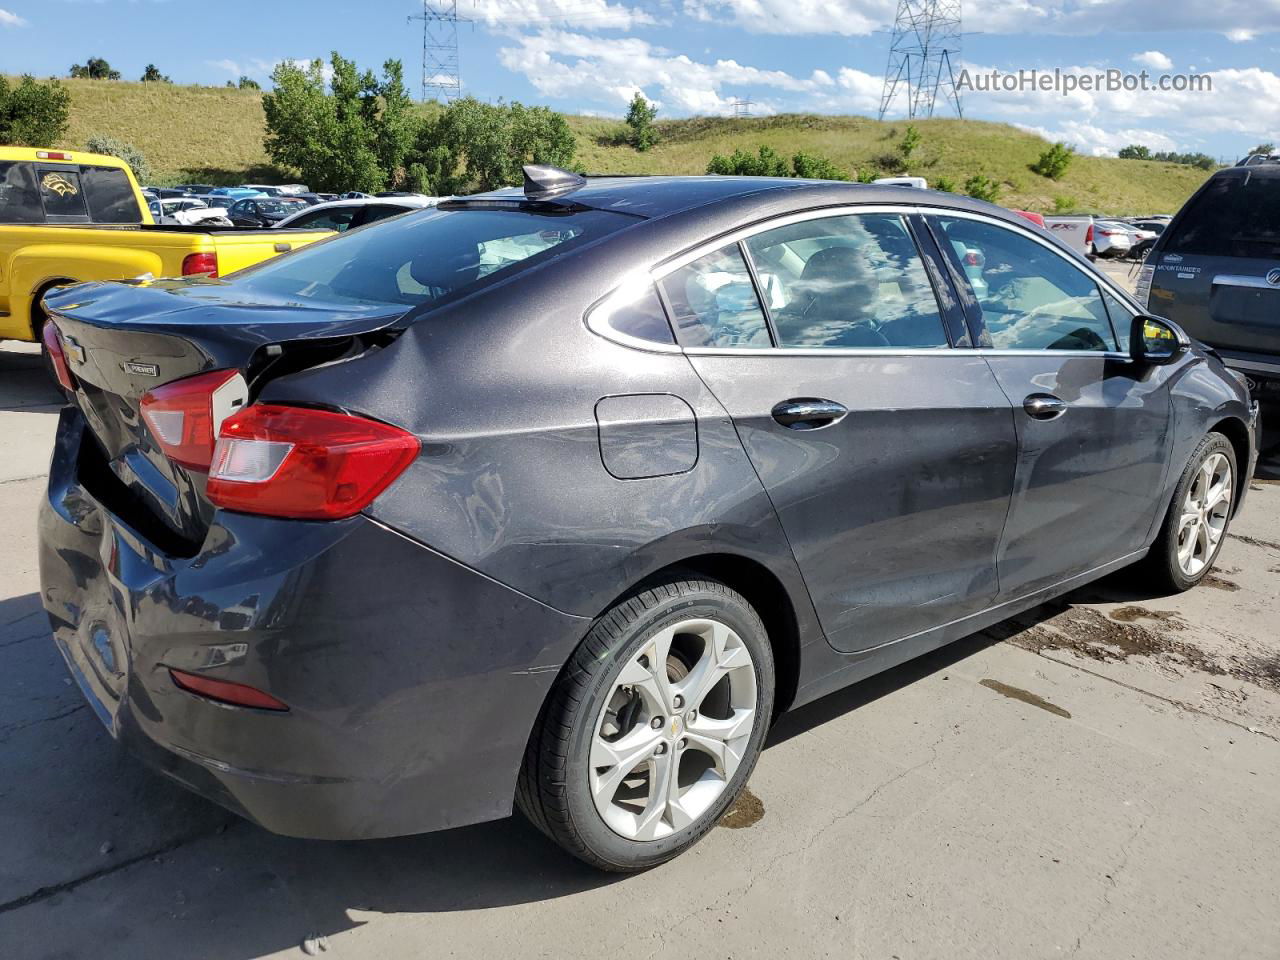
point(95, 68)
point(1263, 148)
point(982, 188)
point(1053, 162)
point(474, 145)
point(640, 116)
point(33, 114)
point(153, 75)
point(868, 176)
point(765, 163)
point(353, 133)
point(814, 166)
point(246, 83)
point(945, 184)
point(1135, 151)
point(1063, 204)
point(910, 143)
point(127, 152)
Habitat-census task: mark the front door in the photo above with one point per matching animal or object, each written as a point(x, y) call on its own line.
point(1093, 428)
point(888, 454)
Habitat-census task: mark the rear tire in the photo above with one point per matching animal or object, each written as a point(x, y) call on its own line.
point(628, 765)
point(1195, 526)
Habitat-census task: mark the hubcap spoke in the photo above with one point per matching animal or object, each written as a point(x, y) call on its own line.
point(724, 740)
point(1204, 515)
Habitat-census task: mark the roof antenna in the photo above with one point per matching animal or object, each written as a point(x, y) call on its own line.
point(543, 182)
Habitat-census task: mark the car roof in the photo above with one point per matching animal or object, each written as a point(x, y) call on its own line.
point(409, 203)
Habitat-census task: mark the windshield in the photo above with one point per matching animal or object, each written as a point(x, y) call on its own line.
point(279, 208)
point(425, 256)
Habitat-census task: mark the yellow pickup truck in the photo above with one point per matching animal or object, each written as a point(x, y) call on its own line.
point(67, 216)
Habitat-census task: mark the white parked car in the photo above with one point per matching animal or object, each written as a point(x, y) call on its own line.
point(185, 210)
point(1111, 238)
point(342, 215)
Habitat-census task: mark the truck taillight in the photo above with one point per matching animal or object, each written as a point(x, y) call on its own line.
point(304, 463)
point(194, 264)
point(1088, 235)
point(184, 416)
point(57, 356)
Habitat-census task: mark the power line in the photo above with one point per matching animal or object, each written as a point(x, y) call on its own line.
point(925, 41)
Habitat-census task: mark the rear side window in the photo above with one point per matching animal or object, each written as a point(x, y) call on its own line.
point(848, 281)
point(380, 211)
point(1234, 216)
point(406, 261)
point(714, 304)
point(110, 195)
point(62, 193)
point(338, 219)
point(19, 198)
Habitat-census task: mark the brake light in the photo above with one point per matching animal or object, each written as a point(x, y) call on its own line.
point(184, 416)
point(304, 463)
point(57, 356)
point(52, 155)
point(1088, 235)
point(194, 264)
point(224, 691)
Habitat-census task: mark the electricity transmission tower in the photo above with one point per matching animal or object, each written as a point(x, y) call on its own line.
point(441, 75)
point(926, 39)
point(742, 108)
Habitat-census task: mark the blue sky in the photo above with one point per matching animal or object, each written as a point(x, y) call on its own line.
point(697, 56)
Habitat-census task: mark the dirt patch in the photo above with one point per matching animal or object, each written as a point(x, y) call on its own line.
point(1255, 541)
point(1219, 583)
point(1025, 696)
point(745, 812)
point(1089, 634)
point(1131, 614)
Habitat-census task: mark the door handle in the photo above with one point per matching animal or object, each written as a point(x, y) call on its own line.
point(1044, 406)
point(808, 414)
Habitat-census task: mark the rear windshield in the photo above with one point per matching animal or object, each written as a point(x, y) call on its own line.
point(19, 199)
point(31, 193)
point(1234, 216)
point(426, 256)
point(110, 195)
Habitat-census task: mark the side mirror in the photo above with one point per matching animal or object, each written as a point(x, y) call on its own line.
point(1156, 341)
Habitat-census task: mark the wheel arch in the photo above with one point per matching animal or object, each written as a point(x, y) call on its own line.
point(37, 311)
point(1237, 433)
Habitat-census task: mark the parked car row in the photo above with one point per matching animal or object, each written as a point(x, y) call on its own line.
point(1108, 237)
point(264, 206)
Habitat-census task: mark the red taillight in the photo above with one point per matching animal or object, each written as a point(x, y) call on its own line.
point(1088, 235)
point(52, 155)
point(194, 264)
point(304, 463)
point(184, 416)
point(224, 691)
point(57, 356)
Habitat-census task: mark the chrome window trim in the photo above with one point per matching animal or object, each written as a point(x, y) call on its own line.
point(597, 322)
point(1241, 280)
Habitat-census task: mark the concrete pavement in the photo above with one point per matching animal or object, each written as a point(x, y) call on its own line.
point(1098, 778)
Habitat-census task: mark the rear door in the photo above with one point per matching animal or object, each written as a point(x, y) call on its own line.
point(1212, 267)
point(888, 454)
point(1093, 430)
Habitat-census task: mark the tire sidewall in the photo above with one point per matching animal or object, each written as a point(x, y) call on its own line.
point(599, 837)
point(1211, 444)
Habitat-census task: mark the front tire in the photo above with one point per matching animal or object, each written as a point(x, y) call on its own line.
point(1195, 526)
point(653, 728)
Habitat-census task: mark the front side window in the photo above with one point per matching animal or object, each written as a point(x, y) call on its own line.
point(406, 261)
point(847, 281)
point(110, 195)
point(713, 302)
point(1031, 297)
point(19, 198)
point(61, 192)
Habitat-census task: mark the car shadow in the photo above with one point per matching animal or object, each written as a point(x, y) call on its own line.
point(251, 893)
point(25, 383)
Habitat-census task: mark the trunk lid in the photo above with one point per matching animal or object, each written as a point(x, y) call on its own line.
point(124, 340)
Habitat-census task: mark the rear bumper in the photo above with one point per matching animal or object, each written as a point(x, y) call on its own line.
point(413, 682)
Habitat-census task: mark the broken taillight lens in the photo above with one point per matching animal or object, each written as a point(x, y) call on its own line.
point(305, 463)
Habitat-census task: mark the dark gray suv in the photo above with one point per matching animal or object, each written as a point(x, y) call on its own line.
point(557, 497)
point(1216, 270)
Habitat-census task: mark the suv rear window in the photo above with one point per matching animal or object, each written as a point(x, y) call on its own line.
point(1234, 216)
point(19, 200)
point(426, 256)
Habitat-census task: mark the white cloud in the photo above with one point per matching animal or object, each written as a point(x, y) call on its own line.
point(586, 14)
point(1240, 35)
point(1153, 59)
point(262, 69)
point(562, 64)
point(1098, 141)
point(1072, 17)
point(8, 19)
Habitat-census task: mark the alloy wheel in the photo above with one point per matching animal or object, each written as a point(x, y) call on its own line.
point(673, 730)
point(1205, 512)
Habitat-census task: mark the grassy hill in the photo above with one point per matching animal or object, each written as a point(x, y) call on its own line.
point(214, 135)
